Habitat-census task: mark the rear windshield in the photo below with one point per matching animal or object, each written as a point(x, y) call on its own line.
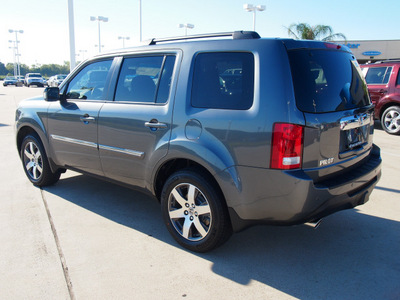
point(35, 75)
point(327, 81)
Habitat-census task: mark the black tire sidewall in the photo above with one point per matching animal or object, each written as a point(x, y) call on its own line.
point(220, 225)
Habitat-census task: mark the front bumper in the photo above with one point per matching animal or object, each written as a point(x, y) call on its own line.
point(37, 83)
point(291, 197)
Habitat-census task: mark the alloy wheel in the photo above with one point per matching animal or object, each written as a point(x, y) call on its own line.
point(33, 161)
point(189, 212)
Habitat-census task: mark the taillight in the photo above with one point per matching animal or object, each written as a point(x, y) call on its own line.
point(332, 46)
point(287, 146)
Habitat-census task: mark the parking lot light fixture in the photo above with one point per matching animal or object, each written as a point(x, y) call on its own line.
point(83, 54)
point(253, 8)
point(17, 55)
point(99, 19)
point(123, 38)
point(186, 26)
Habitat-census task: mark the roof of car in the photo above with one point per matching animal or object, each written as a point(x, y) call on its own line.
point(387, 62)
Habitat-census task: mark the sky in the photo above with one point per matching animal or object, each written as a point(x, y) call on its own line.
point(45, 39)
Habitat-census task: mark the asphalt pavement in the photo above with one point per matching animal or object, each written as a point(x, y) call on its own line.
point(84, 238)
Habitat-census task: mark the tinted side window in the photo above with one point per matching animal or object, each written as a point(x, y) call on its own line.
point(398, 77)
point(378, 75)
point(145, 79)
point(89, 83)
point(165, 81)
point(223, 80)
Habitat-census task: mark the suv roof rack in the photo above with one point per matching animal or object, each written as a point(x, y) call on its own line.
point(387, 60)
point(236, 35)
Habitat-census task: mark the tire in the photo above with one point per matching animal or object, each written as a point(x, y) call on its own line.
point(35, 162)
point(194, 211)
point(390, 120)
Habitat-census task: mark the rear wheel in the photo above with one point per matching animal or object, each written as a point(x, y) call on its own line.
point(35, 162)
point(194, 211)
point(390, 120)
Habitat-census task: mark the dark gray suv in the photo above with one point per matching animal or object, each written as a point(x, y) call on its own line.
point(225, 130)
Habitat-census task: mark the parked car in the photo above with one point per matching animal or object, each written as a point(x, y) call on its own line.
point(383, 81)
point(34, 79)
point(21, 80)
point(56, 80)
point(286, 138)
point(10, 80)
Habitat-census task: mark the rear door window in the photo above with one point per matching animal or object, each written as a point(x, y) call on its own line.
point(327, 81)
point(379, 75)
point(223, 80)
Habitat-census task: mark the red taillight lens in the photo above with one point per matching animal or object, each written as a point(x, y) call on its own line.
point(332, 46)
point(287, 146)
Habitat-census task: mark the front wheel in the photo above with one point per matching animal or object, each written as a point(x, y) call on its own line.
point(391, 120)
point(194, 211)
point(35, 162)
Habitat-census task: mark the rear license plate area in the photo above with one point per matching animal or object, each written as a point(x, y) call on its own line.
point(354, 138)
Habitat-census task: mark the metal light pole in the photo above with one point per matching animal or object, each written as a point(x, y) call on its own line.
point(99, 19)
point(72, 56)
point(140, 20)
point(14, 57)
point(123, 38)
point(186, 26)
point(253, 8)
point(83, 54)
point(16, 48)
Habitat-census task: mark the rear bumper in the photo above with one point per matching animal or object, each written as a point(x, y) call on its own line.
point(291, 197)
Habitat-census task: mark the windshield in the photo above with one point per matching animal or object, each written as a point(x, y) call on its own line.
point(327, 81)
point(35, 75)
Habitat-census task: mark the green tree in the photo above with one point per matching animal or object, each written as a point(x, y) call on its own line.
point(3, 70)
point(304, 31)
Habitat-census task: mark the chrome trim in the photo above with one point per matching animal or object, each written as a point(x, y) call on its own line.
point(122, 150)
point(94, 145)
point(73, 141)
point(352, 122)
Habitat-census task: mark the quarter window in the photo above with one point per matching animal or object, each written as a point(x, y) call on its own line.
point(378, 75)
point(223, 80)
point(90, 82)
point(145, 79)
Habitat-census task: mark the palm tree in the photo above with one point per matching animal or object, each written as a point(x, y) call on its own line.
point(303, 31)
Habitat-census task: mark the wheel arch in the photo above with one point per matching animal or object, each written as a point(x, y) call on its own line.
point(176, 164)
point(385, 103)
point(25, 130)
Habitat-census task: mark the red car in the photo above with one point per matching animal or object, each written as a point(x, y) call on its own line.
point(384, 88)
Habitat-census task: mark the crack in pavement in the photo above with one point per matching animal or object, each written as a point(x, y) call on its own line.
point(59, 249)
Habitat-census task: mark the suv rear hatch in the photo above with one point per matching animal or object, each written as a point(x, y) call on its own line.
point(332, 94)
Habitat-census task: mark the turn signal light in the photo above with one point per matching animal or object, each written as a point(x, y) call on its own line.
point(287, 146)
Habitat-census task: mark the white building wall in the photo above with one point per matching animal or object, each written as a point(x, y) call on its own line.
point(374, 50)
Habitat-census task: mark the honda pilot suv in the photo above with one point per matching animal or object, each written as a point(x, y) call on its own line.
point(225, 130)
point(383, 81)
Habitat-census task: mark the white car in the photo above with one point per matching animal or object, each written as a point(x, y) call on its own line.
point(34, 79)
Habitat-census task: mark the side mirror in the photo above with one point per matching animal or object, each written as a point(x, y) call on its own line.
point(51, 94)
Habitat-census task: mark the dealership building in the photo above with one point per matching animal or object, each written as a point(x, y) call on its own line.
point(371, 51)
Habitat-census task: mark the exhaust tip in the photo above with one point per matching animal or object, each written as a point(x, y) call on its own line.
point(314, 224)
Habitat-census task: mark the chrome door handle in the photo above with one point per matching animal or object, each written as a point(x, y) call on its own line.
point(154, 125)
point(87, 119)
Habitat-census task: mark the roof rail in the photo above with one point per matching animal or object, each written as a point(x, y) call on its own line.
point(236, 35)
point(389, 60)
